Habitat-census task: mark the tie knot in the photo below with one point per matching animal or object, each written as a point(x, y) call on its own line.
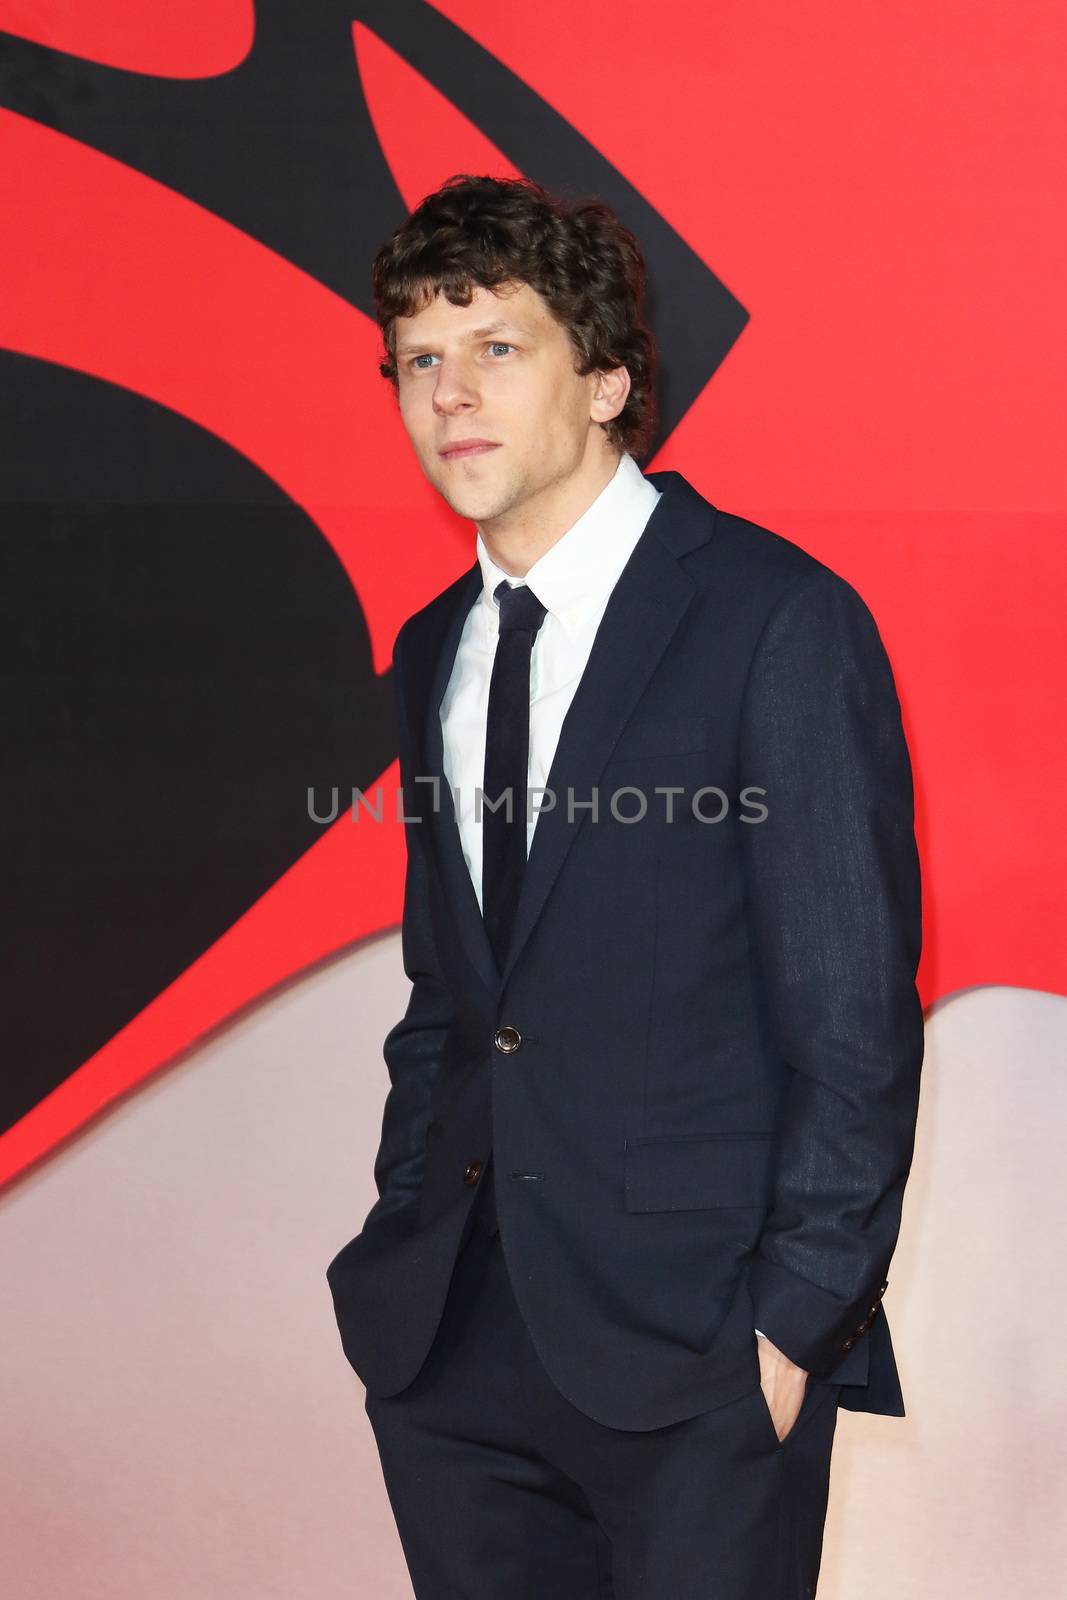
point(519, 608)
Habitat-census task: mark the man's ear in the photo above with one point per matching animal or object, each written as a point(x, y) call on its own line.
point(609, 394)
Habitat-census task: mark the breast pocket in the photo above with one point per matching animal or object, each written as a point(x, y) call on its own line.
point(688, 1172)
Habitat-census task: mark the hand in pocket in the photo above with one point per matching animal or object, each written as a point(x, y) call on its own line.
point(783, 1385)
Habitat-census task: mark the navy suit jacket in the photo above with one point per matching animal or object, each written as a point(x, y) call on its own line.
point(708, 1121)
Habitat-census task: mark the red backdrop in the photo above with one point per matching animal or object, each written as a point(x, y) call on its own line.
point(880, 188)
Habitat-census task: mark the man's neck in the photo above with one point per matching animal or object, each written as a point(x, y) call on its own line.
point(515, 549)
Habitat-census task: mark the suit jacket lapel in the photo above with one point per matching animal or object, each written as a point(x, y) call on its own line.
point(643, 612)
point(434, 802)
point(645, 607)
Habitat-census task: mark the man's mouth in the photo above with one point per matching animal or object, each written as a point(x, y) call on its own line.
point(459, 452)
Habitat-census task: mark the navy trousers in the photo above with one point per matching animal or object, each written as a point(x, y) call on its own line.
point(503, 1490)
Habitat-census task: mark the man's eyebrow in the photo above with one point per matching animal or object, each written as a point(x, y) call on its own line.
point(469, 338)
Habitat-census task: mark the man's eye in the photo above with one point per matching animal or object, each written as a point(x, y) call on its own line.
point(496, 344)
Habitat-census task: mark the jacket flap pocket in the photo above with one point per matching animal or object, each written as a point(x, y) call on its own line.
point(661, 736)
point(691, 1171)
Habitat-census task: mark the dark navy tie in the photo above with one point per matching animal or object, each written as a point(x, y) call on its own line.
point(507, 759)
point(507, 762)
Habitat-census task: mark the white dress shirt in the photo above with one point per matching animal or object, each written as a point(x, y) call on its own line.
point(573, 581)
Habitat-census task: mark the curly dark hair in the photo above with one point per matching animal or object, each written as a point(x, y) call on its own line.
point(584, 263)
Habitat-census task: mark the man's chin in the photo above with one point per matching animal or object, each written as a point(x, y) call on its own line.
point(469, 502)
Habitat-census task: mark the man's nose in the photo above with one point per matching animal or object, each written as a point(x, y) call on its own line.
point(454, 389)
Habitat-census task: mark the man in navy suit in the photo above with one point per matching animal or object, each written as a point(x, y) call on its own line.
point(652, 1103)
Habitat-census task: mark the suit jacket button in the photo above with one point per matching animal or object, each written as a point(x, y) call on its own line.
point(472, 1174)
point(846, 1344)
point(507, 1039)
point(883, 1289)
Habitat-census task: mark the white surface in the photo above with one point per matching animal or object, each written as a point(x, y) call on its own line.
point(179, 1419)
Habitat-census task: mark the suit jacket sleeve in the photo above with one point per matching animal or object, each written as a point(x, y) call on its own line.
point(413, 1048)
point(834, 894)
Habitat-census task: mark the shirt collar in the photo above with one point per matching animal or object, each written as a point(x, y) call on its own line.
point(574, 578)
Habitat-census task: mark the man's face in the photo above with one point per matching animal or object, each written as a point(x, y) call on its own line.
point(500, 369)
